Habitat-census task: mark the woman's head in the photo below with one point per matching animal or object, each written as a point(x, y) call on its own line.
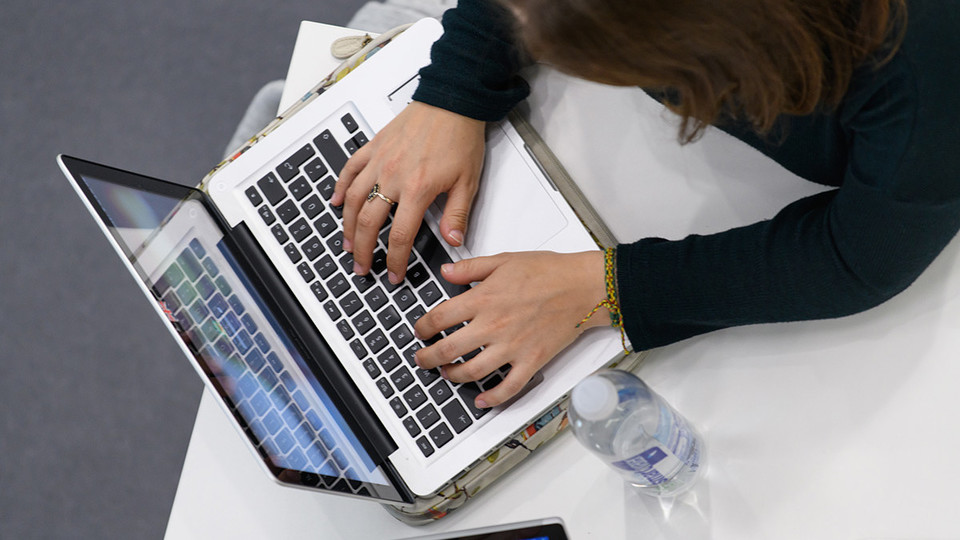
point(753, 59)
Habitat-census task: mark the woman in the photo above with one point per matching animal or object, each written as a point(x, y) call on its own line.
point(857, 94)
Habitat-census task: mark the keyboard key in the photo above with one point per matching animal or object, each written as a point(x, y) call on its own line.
point(404, 298)
point(349, 122)
point(262, 342)
point(458, 418)
point(272, 188)
point(326, 187)
point(376, 341)
point(305, 272)
point(424, 444)
point(389, 359)
point(384, 387)
point(351, 146)
point(401, 336)
point(351, 304)
point(417, 275)
point(360, 139)
point(345, 329)
point(440, 435)
point(274, 362)
point(287, 211)
point(338, 285)
point(325, 266)
point(218, 306)
point(267, 215)
point(300, 230)
point(300, 188)
point(428, 376)
point(430, 294)
point(397, 405)
point(318, 291)
point(223, 286)
point(315, 169)
point(312, 206)
point(289, 168)
point(331, 151)
point(414, 315)
point(412, 428)
point(411, 354)
point(254, 196)
point(376, 299)
point(331, 308)
point(440, 392)
point(364, 322)
point(293, 253)
point(255, 360)
point(210, 267)
point(335, 243)
point(371, 368)
point(190, 264)
point(428, 416)
point(363, 283)
point(379, 263)
point(325, 225)
point(415, 398)
point(205, 287)
point(389, 317)
point(358, 349)
point(312, 248)
point(230, 324)
point(401, 378)
point(280, 234)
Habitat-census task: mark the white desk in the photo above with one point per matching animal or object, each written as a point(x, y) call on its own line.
point(840, 429)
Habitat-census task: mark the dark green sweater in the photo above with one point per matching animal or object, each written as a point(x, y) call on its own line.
point(892, 149)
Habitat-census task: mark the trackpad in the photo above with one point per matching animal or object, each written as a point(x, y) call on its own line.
point(513, 210)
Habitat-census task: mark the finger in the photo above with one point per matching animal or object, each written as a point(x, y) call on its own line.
point(448, 314)
point(448, 349)
point(354, 200)
point(474, 369)
point(353, 167)
point(516, 379)
point(456, 214)
point(370, 219)
point(467, 271)
point(403, 230)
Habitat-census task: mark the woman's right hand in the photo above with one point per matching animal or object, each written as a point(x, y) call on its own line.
point(423, 152)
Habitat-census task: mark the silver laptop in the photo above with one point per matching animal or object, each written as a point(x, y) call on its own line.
point(313, 363)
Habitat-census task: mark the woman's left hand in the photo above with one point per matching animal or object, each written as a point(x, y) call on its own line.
point(523, 312)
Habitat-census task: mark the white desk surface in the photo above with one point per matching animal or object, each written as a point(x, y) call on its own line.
point(839, 429)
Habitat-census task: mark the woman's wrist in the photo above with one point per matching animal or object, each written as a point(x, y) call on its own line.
point(595, 294)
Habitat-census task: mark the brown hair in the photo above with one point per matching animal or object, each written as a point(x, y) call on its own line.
point(749, 59)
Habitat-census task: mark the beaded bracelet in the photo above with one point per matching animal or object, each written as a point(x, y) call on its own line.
point(610, 302)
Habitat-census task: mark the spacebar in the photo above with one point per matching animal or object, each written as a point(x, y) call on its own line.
point(428, 246)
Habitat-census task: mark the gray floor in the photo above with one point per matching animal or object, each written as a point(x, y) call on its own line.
point(96, 403)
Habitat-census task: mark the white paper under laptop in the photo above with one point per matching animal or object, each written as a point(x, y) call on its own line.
point(516, 209)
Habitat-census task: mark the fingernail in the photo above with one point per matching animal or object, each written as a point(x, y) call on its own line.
point(443, 372)
point(456, 237)
point(446, 268)
point(481, 404)
point(357, 269)
point(393, 278)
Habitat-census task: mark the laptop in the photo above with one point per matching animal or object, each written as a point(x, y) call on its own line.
point(314, 364)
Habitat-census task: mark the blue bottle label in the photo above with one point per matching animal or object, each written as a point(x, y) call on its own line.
point(659, 462)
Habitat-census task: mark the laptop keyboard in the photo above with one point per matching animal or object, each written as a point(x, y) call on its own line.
point(373, 316)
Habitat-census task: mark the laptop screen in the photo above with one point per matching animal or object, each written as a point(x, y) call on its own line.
point(180, 253)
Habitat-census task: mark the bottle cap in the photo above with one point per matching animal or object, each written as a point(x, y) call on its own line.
point(595, 398)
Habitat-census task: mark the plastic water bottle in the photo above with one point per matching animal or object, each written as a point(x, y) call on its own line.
point(627, 425)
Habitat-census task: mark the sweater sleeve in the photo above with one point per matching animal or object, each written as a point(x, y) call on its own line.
point(474, 65)
point(834, 253)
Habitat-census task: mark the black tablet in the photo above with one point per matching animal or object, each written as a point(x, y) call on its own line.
point(541, 529)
